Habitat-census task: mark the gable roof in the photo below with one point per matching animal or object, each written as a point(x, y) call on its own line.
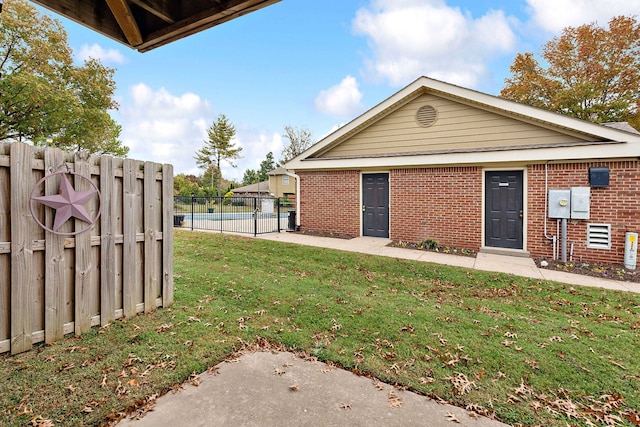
point(599, 138)
point(278, 171)
point(258, 187)
point(147, 24)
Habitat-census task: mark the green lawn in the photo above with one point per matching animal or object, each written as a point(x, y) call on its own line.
point(525, 351)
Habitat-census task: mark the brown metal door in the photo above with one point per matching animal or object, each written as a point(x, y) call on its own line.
point(375, 205)
point(503, 209)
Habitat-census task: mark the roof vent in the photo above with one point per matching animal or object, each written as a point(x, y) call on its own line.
point(426, 116)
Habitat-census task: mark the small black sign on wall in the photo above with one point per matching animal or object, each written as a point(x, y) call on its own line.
point(599, 177)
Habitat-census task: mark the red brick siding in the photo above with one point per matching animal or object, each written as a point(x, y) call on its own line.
point(444, 204)
point(330, 201)
point(618, 205)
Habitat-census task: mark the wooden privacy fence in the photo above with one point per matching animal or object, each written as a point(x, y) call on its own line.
point(53, 284)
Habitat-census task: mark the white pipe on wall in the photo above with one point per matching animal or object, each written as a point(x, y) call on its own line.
point(297, 178)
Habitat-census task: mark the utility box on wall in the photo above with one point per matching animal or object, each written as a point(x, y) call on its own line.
point(559, 203)
point(580, 200)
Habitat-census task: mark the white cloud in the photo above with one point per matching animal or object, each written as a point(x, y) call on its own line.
point(107, 56)
point(164, 128)
point(554, 15)
point(410, 38)
point(342, 100)
point(255, 143)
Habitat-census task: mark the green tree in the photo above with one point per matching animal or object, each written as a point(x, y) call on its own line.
point(266, 166)
point(186, 185)
point(44, 97)
point(299, 140)
point(250, 177)
point(218, 147)
point(592, 73)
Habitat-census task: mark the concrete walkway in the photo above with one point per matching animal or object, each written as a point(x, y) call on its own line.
point(282, 389)
point(519, 266)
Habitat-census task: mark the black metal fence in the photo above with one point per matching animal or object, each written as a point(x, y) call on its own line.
point(235, 214)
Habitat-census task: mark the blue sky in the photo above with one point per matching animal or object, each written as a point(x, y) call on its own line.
point(316, 64)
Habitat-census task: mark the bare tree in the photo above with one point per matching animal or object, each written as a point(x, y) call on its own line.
point(299, 140)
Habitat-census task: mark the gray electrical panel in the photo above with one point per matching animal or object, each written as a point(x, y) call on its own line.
point(580, 201)
point(559, 203)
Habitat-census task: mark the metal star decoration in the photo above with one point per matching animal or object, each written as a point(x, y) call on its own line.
point(68, 204)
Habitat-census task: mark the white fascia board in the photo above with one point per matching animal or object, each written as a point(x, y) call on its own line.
point(603, 152)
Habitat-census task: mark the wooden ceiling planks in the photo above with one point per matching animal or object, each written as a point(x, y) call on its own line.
point(147, 24)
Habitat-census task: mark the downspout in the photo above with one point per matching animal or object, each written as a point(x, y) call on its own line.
point(546, 198)
point(554, 239)
point(297, 178)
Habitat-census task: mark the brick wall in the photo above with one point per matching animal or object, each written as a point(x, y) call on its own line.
point(330, 201)
point(444, 204)
point(618, 205)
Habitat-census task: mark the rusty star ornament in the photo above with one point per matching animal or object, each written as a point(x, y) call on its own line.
point(68, 204)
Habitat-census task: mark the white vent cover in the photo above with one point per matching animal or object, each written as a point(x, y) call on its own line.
point(599, 236)
point(426, 116)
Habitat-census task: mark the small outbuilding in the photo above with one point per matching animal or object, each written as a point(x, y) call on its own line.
point(469, 170)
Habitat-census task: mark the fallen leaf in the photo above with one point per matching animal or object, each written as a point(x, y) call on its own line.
point(426, 380)
point(194, 379)
point(394, 399)
point(41, 422)
point(452, 417)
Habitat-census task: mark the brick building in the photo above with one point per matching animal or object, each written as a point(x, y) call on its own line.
point(470, 170)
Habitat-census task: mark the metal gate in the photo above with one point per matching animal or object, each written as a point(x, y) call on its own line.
point(235, 214)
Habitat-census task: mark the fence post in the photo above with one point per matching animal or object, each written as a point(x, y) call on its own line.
point(278, 213)
point(255, 217)
point(193, 201)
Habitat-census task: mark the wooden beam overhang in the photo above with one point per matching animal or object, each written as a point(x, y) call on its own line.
point(128, 24)
point(148, 24)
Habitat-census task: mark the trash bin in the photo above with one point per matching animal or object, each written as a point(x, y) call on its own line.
point(292, 220)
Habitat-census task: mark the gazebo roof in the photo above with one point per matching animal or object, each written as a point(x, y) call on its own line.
point(146, 24)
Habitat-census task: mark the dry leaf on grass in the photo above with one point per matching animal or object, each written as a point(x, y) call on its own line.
point(426, 380)
point(461, 384)
point(41, 422)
